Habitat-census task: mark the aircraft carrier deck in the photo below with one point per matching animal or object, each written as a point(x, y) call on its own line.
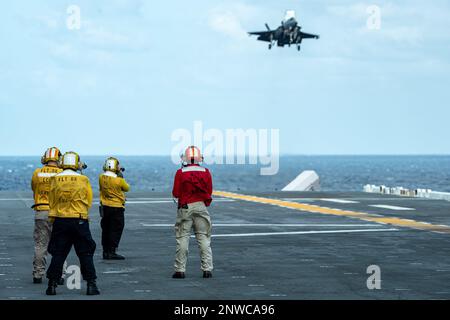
point(290, 246)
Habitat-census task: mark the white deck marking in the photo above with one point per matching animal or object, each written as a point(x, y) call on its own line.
point(116, 272)
point(256, 285)
point(383, 206)
point(299, 233)
point(339, 201)
point(270, 225)
point(402, 289)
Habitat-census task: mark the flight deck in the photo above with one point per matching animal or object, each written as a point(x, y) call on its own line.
point(283, 245)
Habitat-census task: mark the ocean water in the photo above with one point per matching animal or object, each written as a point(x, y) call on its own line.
point(337, 173)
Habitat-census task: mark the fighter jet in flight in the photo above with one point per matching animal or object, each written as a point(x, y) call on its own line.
point(289, 33)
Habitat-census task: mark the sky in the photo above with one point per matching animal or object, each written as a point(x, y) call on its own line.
point(136, 71)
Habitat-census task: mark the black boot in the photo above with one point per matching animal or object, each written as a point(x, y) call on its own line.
point(207, 274)
point(51, 290)
point(92, 289)
point(114, 256)
point(179, 275)
point(37, 280)
point(106, 254)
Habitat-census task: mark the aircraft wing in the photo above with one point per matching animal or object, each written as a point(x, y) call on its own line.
point(308, 35)
point(263, 35)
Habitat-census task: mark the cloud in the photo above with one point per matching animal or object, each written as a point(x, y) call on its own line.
point(102, 37)
point(228, 24)
point(354, 11)
point(228, 19)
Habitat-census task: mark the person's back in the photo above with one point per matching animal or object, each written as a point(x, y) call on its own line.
point(112, 190)
point(71, 195)
point(40, 184)
point(193, 183)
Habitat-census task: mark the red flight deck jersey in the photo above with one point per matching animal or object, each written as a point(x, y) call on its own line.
point(193, 183)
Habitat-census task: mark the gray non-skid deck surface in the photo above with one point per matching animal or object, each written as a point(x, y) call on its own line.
point(414, 264)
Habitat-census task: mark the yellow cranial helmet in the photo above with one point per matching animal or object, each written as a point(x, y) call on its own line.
point(71, 160)
point(111, 164)
point(51, 154)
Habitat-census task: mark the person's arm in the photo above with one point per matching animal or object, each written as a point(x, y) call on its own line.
point(52, 198)
point(209, 184)
point(124, 185)
point(89, 193)
point(34, 181)
point(176, 185)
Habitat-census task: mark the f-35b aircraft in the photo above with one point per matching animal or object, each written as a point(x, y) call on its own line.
point(289, 33)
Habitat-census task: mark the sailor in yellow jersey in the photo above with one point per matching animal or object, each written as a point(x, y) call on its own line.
point(40, 184)
point(112, 207)
point(70, 199)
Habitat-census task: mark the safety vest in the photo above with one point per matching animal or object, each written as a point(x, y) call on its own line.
point(40, 184)
point(70, 195)
point(112, 190)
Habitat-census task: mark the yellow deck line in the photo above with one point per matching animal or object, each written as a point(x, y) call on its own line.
point(351, 214)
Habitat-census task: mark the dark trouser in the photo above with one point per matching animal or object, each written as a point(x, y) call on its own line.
point(113, 223)
point(67, 232)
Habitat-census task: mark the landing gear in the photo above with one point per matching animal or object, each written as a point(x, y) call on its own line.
point(298, 47)
point(271, 41)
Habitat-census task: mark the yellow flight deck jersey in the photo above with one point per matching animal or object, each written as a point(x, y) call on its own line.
point(70, 195)
point(112, 190)
point(40, 184)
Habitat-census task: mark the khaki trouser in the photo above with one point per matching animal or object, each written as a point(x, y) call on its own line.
point(197, 217)
point(42, 233)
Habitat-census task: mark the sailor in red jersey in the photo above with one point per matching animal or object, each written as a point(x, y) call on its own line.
point(193, 189)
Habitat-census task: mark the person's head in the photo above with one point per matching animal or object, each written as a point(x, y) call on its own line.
point(192, 155)
point(51, 157)
point(71, 160)
point(112, 165)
